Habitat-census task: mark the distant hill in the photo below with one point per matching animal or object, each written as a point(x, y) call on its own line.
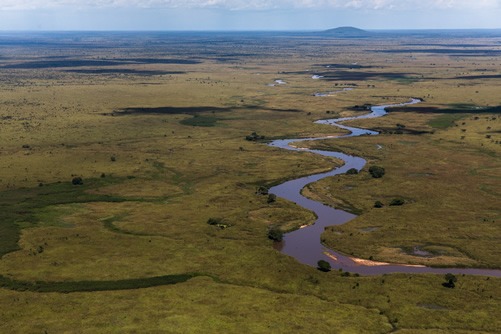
point(346, 32)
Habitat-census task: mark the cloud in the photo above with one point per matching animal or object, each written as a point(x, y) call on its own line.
point(253, 4)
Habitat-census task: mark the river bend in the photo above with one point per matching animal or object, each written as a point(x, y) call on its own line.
point(304, 244)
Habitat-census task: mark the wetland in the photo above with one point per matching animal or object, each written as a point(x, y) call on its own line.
point(119, 151)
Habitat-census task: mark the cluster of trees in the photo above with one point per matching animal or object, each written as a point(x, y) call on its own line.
point(254, 137)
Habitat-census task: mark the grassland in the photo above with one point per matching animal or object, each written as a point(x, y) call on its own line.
point(157, 132)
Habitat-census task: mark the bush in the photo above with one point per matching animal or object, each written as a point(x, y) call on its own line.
point(378, 204)
point(253, 137)
point(352, 171)
point(275, 234)
point(376, 171)
point(450, 281)
point(214, 221)
point(324, 266)
point(262, 190)
point(397, 201)
point(77, 181)
point(271, 198)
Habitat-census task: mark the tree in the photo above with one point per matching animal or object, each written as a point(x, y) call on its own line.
point(253, 137)
point(450, 281)
point(262, 190)
point(77, 181)
point(324, 266)
point(397, 201)
point(275, 234)
point(271, 198)
point(352, 171)
point(376, 171)
point(378, 204)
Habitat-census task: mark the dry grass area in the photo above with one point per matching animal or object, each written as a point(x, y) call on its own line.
point(156, 130)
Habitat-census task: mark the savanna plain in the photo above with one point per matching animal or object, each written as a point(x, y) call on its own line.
point(128, 182)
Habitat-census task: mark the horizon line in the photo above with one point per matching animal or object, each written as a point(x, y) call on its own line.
point(248, 30)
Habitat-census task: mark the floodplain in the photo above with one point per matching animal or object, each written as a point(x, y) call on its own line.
point(117, 149)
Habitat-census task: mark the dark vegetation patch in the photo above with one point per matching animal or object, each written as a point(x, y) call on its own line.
point(456, 109)
point(18, 207)
point(275, 234)
point(347, 75)
point(223, 59)
point(191, 110)
point(460, 45)
point(363, 107)
point(255, 137)
point(124, 71)
point(475, 77)
point(89, 286)
point(272, 109)
point(91, 62)
point(170, 110)
point(160, 61)
point(377, 172)
point(200, 120)
point(399, 131)
point(455, 52)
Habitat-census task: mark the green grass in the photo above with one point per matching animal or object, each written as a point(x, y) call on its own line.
point(444, 121)
point(21, 208)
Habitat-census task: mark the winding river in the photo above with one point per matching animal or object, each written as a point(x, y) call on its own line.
point(304, 244)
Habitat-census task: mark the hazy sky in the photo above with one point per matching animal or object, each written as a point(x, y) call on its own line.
point(246, 14)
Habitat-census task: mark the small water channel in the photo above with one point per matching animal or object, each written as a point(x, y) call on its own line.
point(304, 244)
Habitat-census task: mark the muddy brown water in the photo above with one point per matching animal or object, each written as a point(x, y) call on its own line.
point(304, 244)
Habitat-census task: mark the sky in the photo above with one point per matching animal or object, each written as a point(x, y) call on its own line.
point(247, 14)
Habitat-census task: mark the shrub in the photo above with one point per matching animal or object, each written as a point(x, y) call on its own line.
point(262, 190)
point(271, 198)
point(77, 181)
point(324, 266)
point(376, 171)
point(253, 137)
point(397, 201)
point(214, 221)
point(275, 234)
point(450, 281)
point(378, 204)
point(352, 171)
